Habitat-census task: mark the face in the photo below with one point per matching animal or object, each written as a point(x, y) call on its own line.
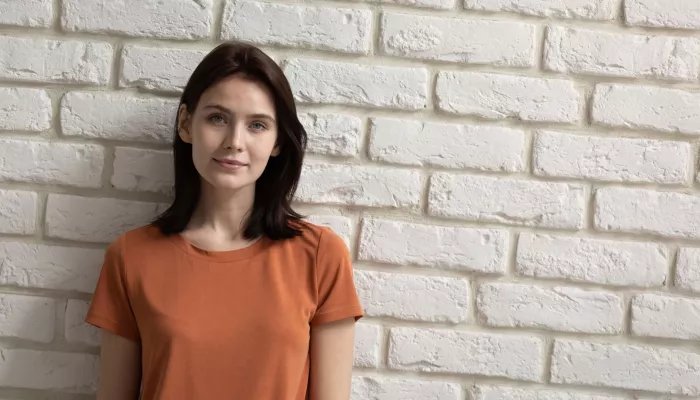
point(233, 133)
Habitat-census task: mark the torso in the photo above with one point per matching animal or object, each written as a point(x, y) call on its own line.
point(213, 324)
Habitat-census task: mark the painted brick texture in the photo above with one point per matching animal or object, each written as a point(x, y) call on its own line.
point(517, 181)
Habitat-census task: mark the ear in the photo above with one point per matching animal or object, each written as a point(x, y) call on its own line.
point(275, 152)
point(184, 124)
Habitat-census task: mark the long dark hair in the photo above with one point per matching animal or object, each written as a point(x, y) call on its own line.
point(272, 214)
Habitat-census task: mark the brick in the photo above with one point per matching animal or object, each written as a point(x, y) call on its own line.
point(688, 269)
point(604, 262)
point(360, 186)
point(460, 352)
point(491, 148)
point(332, 134)
point(155, 68)
point(76, 330)
point(610, 159)
point(647, 211)
point(367, 337)
point(434, 4)
point(364, 388)
point(413, 297)
point(48, 370)
point(476, 250)
point(646, 107)
point(565, 309)
point(180, 19)
point(582, 51)
point(143, 170)
point(118, 117)
point(49, 267)
point(18, 212)
point(327, 28)
point(61, 61)
point(329, 82)
point(33, 13)
point(24, 109)
point(626, 367)
point(339, 224)
point(498, 43)
point(483, 392)
point(683, 14)
point(27, 317)
point(640, 397)
point(51, 163)
point(665, 316)
point(98, 220)
point(495, 96)
point(579, 9)
point(507, 201)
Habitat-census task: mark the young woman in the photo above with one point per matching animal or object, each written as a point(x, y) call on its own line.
point(229, 294)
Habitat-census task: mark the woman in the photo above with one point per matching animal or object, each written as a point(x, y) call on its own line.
point(229, 294)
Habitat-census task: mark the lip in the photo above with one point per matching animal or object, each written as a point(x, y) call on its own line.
point(230, 164)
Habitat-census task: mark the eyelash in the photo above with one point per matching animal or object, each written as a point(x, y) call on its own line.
point(215, 117)
point(261, 124)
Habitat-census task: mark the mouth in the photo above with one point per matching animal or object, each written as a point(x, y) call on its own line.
point(230, 164)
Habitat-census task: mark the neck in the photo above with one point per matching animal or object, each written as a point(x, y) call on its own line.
point(224, 212)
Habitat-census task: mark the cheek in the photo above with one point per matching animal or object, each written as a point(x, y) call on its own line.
point(204, 145)
point(263, 147)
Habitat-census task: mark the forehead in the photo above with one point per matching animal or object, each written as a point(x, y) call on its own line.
point(240, 95)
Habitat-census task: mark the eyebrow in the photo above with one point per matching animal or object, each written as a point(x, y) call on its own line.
point(228, 111)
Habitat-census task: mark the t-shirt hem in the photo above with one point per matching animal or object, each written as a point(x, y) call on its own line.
point(111, 326)
point(337, 315)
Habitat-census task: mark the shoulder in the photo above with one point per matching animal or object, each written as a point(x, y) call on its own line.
point(139, 240)
point(322, 238)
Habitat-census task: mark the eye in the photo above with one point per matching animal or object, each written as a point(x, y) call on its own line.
point(258, 126)
point(216, 119)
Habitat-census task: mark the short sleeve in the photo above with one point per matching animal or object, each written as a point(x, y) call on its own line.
point(337, 296)
point(110, 308)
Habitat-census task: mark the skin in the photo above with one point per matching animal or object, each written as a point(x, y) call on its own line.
point(235, 120)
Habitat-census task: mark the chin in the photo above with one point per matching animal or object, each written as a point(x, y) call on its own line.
point(229, 182)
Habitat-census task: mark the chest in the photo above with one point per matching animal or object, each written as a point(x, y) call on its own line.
point(211, 306)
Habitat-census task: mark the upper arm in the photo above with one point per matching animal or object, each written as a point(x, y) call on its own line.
point(110, 310)
point(336, 296)
point(333, 324)
point(331, 360)
point(120, 368)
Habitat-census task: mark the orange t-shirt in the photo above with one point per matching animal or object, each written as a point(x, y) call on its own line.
point(224, 325)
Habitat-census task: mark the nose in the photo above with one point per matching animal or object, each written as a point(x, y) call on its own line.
point(235, 138)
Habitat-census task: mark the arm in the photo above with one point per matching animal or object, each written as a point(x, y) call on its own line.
point(332, 348)
point(120, 368)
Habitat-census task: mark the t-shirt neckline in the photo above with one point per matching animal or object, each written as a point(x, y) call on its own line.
point(220, 256)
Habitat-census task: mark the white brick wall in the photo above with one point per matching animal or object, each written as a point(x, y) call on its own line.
point(408, 297)
point(443, 145)
point(24, 109)
point(582, 51)
point(64, 61)
point(329, 28)
point(610, 159)
point(14, 310)
point(626, 366)
point(583, 9)
point(455, 351)
point(517, 181)
point(505, 393)
point(458, 40)
point(663, 13)
point(497, 96)
point(558, 308)
point(646, 107)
